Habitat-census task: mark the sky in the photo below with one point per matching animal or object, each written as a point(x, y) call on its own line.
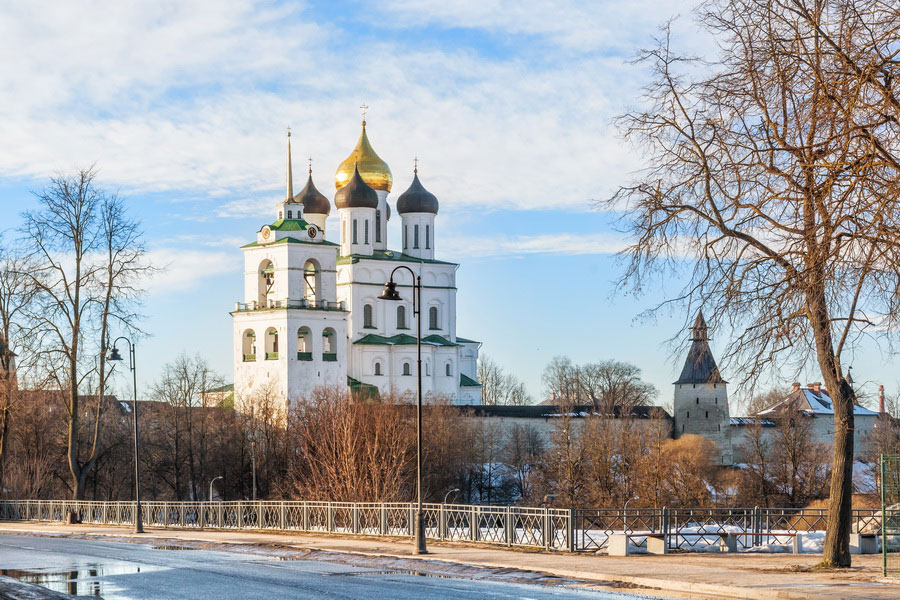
point(508, 105)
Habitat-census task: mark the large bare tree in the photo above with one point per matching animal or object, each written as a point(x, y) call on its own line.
point(771, 187)
point(86, 265)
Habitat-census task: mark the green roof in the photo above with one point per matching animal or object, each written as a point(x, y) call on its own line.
point(402, 339)
point(392, 255)
point(289, 240)
point(363, 389)
point(466, 381)
point(290, 225)
point(463, 340)
point(223, 388)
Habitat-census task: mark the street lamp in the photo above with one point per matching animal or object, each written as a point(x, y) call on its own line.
point(114, 356)
point(448, 494)
point(390, 293)
point(210, 486)
point(625, 513)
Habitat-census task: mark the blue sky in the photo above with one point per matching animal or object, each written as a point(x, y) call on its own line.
point(508, 105)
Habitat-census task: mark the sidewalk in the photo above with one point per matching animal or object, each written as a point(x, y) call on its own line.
point(758, 576)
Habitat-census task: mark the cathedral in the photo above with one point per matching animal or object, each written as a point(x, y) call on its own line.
point(311, 314)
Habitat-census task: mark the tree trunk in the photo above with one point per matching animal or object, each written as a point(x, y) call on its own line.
point(837, 537)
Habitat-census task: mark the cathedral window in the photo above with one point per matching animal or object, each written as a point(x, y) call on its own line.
point(427, 237)
point(271, 344)
point(401, 317)
point(378, 226)
point(329, 345)
point(366, 231)
point(427, 368)
point(290, 215)
point(688, 414)
point(405, 236)
point(448, 370)
point(248, 343)
point(280, 215)
point(433, 318)
point(407, 369)
point(304, 344)
point(311, 280)
point(707, 414)
point(698, 401)
point(354, 231)
point(368, 321)
point(415, 236)
point(378, 368)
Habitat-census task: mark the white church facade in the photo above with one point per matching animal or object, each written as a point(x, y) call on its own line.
point(311, 316)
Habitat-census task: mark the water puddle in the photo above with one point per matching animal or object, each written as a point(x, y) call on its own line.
point(83, 580)
point(170, 547)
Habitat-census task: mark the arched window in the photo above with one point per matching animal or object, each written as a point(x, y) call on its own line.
point(368, 321)
point(433, 318)
point(415, 236)
point(280, 215)
point(329, 345)
point(427, 368)
point(304, 344)
point(265, 282)
point(271, 344)
point(427, 236)
point(290, 215)
point(449, 370)
point(406, 369)
point(405, 236)
point(401, 317)
point(354, 231)
point(366, 230)
point(248, 345)
point(311, 281)
point(377, 226)
point(378, 368)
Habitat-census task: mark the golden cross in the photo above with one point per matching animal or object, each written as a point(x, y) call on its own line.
point(310, 165)
point(364, 108)
point(416, 164)
point(289, 130)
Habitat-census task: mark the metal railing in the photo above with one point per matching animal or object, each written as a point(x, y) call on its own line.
point(301, 303)
point(549, 528)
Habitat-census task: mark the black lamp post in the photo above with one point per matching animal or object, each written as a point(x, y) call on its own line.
point(114, 356)
point(390, 293)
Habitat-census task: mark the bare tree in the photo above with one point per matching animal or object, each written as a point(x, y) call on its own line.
point(774, 170)
point(499, 387)
point(15, 295)
point(610, 383)
point(86, 265)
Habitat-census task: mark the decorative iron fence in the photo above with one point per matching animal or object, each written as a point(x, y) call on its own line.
point(889, 484)
point(549, 528)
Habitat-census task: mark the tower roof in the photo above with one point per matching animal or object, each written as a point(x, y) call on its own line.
point(374, 171)
point(417, 199)
point(700, 366)
point(314, 201)
point(356, 194)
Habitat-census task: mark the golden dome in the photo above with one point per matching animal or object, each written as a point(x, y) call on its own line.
point(372, 169)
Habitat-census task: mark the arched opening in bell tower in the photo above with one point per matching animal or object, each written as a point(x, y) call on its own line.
point(312, 280)
point(265, 282)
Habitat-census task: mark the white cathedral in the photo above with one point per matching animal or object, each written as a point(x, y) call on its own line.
point(311, 315)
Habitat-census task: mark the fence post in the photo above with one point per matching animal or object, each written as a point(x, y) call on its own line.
point(665, 526)
point(473, 525)
point(570, 531)
point(354, 520)
point(329, 521)
point(756, 527)
point(382, 519)
point(509, 526)
point(442, 522)
point(545, 528)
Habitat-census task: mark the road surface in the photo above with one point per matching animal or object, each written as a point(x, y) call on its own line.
point(129, 571)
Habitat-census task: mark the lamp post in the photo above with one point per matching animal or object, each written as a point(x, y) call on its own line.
point(114, 356)
point(390, 293)
point(210, 486)
point(625, 513)
point(447, 495)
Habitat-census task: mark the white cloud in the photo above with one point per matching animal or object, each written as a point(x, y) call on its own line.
point(560, 244)
point(187, 269)
point(194, 97)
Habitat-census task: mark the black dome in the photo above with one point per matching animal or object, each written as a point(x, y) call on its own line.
point(417, 199)
point(314, 202)
point(356, 194)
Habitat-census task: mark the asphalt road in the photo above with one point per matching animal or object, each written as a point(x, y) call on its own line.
point(128, 571)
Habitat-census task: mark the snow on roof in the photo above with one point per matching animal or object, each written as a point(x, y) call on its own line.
point(807, 400)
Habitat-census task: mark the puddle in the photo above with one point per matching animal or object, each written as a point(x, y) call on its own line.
point(401, 572)
point(84, 580)
point(170, 547)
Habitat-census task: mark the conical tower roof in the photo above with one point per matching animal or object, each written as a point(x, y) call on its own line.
point(417, 199)
point(374, 171)
point(314, 201)
point(700, 366)
point(356, 194)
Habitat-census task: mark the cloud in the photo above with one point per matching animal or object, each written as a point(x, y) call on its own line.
point(191, 98)
point(558, 244)
point(184, 270)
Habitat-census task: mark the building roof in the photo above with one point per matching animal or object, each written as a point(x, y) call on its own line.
point(700, 366)
point(748, 421)
point(289, 240)
point(403, 339)
point(356, 194)
point(462, 340)
point(466, 381)
point(417, 199)
point(314, 201)
point(392, 255)
point(549, 411)
point(813, 401)
point(374, 171)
